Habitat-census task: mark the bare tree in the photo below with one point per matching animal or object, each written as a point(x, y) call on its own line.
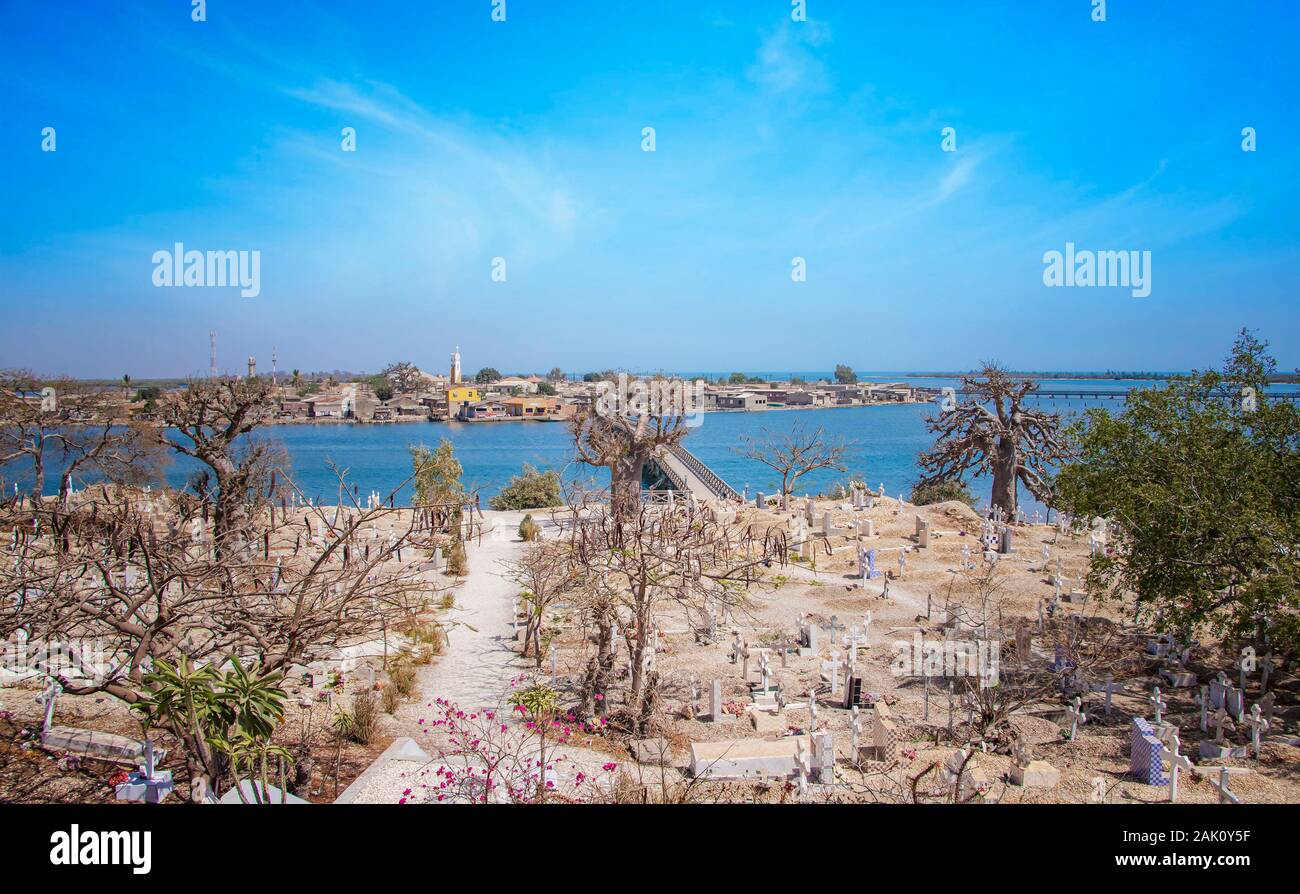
point(547, 573)
point(996, 432)
point(207, 421)
point(795, 453)
point(123, 571)
point(639, 563)
point(403, 376)
point(80, 428)
point(624, 443)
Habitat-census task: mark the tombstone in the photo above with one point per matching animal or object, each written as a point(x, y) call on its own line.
point(1267, 704)
point(1258, 725)
point(1030, 773)
point(1157, 705)
point(1176, 762)
point(884, 734)
point(1109, 687)
point(922, 533)
point(1074, 716)
point(968, 783)
point(1226, 795)
point(1218, 747)
point(1004, 545)
point(760, 502)
point(1145, 754)
point(1218, 691)
point(715, 701)
point(835, 673)
point(808, 638)
point(147, 785)
point(823, 757)
point(803, 768)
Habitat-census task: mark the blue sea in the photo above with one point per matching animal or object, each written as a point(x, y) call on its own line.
point(884, 442)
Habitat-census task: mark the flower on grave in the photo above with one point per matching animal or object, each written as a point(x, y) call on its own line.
point(119, 778)
point(610, 767)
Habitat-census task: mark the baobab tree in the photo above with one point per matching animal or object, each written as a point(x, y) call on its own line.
point(795, 453)
point(207, 421)
point(995, 432)
point(624, 435)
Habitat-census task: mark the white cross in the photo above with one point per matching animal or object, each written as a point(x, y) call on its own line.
point(1226, 796)
point(1258, 725)
point(1157, 704)
point(1176, 762)
point(857, 731)
point(1076, 716)
point(801, 756)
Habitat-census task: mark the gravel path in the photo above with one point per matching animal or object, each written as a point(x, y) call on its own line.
point(480, 660)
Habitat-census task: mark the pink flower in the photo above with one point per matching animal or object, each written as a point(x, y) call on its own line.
point(610, 767)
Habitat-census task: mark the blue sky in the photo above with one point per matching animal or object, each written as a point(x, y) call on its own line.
point(522, 140)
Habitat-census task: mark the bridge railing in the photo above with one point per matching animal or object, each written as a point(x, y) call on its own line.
point(710, 479)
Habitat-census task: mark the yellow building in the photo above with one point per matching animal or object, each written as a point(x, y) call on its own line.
point(458, 396)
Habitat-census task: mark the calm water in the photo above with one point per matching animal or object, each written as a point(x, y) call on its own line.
point(885, 441)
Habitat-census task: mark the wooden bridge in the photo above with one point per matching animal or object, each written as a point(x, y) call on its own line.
point(684, 472)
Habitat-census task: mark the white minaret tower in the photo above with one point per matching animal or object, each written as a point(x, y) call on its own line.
point(455, 366)
point(212, 341)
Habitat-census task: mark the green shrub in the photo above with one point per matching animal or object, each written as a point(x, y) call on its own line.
point(539, 700)
point(529, 529)
point(532, 489)
point(941, 492)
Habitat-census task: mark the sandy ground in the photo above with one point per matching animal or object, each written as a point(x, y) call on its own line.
point(479, 664)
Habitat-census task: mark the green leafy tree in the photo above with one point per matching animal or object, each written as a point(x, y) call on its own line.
point(845, 375)
point(546, 388)
point(438, 473)
point(223, 720)
point(531, 489)
point(1201, 479)
point(487, 375)
point(556, 375)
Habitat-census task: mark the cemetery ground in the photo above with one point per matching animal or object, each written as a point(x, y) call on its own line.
point(771, 671)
